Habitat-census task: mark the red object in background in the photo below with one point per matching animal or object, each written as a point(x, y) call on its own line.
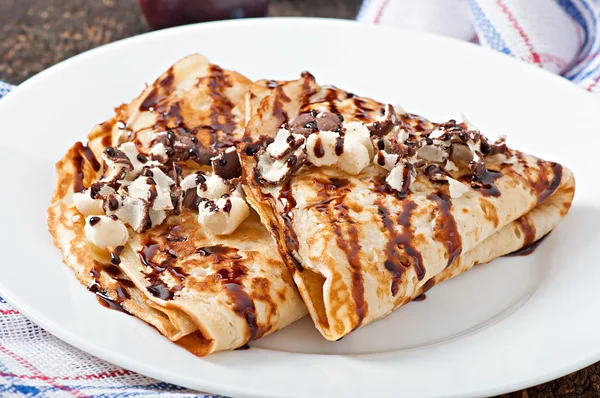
point(166, 13)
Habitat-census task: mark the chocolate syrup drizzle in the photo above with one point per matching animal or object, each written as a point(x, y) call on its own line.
point(399, 251)
point(446, 230)
point(347, 236)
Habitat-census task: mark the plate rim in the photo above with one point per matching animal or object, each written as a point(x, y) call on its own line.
point(70, 338)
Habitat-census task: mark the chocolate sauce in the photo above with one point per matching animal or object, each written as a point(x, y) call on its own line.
point(446, 230)
point(122, 293)
point(78, 164)
point(115, 259)
point(107, 302)
point(484, 183)
point(286, 198)
point(420, 297)
point(178, 273)
point(348, 242)
point(220, 252)
point(528, 249)
point(113, 203)
point(427, 286)
point(161, 290)
point(151, 101)
point(242, 348)
point(278, 112)
point(339, 146)
point(168, 80)
point(527, 229)
point(102, 295)
point(546, 191)
point(329, 192)
point(147, 253)
point(89, 155)
point(126, 283)
point(152, 193)
point(339, 182)
point(112, 270)
point(297, 263)
point(318, 149)
point(400, 254)
point(220, 112)
point(347, 235)
point(243, 305)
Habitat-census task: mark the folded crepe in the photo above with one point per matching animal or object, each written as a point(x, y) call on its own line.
point(371, 206)
point(151, 217)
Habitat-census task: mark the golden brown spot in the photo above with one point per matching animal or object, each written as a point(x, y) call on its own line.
point(489, 211)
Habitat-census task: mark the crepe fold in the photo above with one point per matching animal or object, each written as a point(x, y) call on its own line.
point(356, 251)
point(207, 293)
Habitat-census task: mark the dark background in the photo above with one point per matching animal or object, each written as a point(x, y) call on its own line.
point(35, 34)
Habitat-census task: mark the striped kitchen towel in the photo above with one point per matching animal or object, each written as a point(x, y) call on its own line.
point(562, 36)
point(35, 363)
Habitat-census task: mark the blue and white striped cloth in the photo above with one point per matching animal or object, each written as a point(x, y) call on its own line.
point(562, 36)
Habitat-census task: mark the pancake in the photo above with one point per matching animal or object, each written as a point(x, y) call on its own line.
point(151, 217)
point(372, 211)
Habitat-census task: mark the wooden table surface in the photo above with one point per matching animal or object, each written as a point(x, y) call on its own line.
point(35, 34)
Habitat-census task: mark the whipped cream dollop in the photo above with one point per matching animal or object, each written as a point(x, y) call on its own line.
point(325, 140)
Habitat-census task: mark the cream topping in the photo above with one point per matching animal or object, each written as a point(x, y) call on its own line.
point(103, 231)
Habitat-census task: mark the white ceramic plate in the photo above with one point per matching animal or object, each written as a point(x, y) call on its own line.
point(510, 324)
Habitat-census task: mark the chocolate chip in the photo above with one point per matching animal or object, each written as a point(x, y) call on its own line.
point(300, 123)
point(150, 181)
point(477, 168)
point(95, 190)
point(328, 121)
point(194, 140)
point(312, 125)
point(200, 179)
point(110, 151)
point(113, 203)
point(227, 164)
point(147, 172)
point(251, 149)
point(339, 146)
point(339, 115)
point(142, 158)
point(227, 206)
point(171, 136)
point(313, 113)
point(94, 220)
point(113, 217)
point(292, 160)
